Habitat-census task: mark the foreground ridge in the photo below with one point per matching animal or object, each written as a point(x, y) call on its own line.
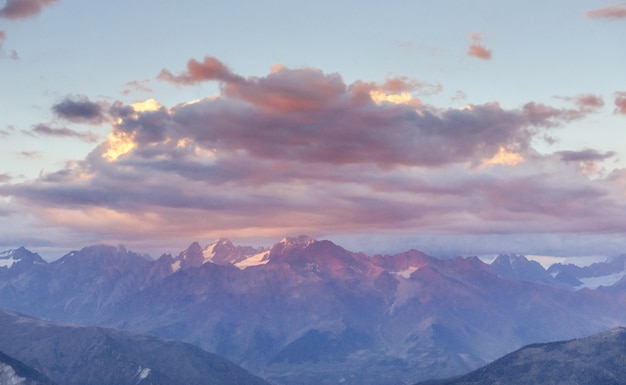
point(80, 355)
point(594, 360)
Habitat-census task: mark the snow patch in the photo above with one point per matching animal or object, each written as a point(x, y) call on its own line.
point(8, 263)
point(176, 266)
point(605, 280)
point(209, 252)
point(407, 273)
point(7, 260)
point(255, 260)
point(143, 373)
point(9, 377)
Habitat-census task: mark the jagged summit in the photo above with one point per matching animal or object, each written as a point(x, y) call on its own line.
point(220, 252)
point(516, 266)
point(19, 256)
point(299, 241)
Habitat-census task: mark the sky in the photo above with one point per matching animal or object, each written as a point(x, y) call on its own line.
point(452, 127)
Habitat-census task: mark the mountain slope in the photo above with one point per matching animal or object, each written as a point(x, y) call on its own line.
point(93, 356)
point(598, 359)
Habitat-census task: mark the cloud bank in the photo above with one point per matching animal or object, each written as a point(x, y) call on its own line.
point(300, 151)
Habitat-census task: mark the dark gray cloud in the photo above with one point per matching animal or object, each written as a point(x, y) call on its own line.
point(64, 132)
point(80, 110)
point(587, 155)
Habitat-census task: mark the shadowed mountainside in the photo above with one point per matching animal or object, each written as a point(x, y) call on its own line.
point(76, 355)
point(594, 360)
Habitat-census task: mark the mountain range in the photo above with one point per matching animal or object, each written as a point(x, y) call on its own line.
point(309, 311)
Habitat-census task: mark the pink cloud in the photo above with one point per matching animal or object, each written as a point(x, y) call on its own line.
point(477, 49)
point(586, 103)
point(611, 12)
point(590, 101)
point(21, 9)
point(620, 102)
point(210, 69)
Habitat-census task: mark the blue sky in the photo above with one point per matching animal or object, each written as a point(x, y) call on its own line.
point(455, 127)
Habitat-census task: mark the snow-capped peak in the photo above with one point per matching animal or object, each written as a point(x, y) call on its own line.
point(219, 252)
point(261, 258)
point(9, 258)
point(212, 249)
point(406, 273)
point(299, 241)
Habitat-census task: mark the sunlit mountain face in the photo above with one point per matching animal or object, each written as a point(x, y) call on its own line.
point(307, 310)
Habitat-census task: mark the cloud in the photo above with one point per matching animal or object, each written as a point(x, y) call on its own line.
point(30, 154)
point(137, 86)
point(586, 103)
point(584, 155)
point(620, 102)
point(477, 49)
point(5, 177)
point(300, 151)
point(209, 69)
point(45, 130)
point(22, 9)
point(80, 110)
point(611, 12)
